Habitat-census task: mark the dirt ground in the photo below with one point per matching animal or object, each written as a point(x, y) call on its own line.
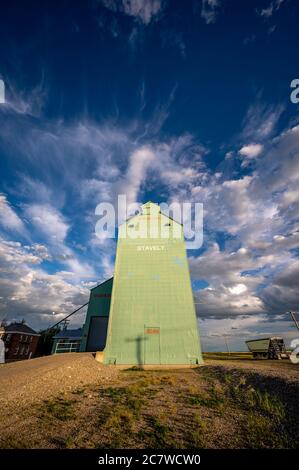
point(71, 401)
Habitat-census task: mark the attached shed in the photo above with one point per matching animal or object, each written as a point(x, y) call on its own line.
point(67, 341)
point(96, 323)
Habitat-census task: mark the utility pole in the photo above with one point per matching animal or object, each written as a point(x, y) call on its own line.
point(65, 318)
point(293, 316)
point(226, 342)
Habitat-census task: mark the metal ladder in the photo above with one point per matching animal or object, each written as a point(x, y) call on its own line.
point(277, 349)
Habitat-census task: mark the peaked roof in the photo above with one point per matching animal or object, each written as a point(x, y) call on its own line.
point(101, 283)
point(156, 209)
point(149, 204)
point(20, 328)
point(150, 208)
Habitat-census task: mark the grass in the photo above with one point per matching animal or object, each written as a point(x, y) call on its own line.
point(197, 432)
point(58, 408)
point(212, 399)
point(129, 397)
point(265, 419)
point(78, 391)
point(159, 432)
point(117, 428)
point(261, 433)
point(242, 355)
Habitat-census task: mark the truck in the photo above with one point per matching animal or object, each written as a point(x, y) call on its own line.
point(268, 348)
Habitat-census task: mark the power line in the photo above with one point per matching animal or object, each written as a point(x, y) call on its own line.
point(60, 321)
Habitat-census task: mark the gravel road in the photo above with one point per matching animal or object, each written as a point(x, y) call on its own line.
point(38, 379)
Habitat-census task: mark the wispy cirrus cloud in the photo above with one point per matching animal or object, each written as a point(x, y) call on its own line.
point(273, 6)
point(9, 219)
point(209, 10)
point(142, 10)
point(260, 121)
point(82, 163)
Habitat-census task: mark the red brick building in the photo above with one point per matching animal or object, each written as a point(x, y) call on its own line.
point(20, 342)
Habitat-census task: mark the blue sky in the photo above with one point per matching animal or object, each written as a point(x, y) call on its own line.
point(162, 100)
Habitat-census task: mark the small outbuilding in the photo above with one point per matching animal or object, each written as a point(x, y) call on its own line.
point(67, 341)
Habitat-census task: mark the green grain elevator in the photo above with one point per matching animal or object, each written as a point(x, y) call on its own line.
point(152, 317)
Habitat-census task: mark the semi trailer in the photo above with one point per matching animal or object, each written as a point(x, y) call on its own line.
point(268, 348)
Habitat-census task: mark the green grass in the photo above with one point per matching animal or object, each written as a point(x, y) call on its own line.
point(197, 432)
point(261, 432)
point(130, 397)
point(263, 414)
point(58, 408)
point(208, 407)
point(78, 391)
point(256, 399)
point(211, 400)
point(159, 434)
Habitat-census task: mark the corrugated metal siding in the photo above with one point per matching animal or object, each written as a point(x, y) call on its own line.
point(152, 290)
point(99, 306)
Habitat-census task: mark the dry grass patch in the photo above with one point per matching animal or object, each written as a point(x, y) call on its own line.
point(208, 407)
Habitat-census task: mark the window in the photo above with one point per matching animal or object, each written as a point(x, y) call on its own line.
point(31, 338)
point(8, 337)
point(22, 350)
point(21, 338)
point(27, 350)
point(16, 350)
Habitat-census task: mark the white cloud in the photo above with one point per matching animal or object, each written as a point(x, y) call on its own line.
point(52, 226)
point(261, 212)
point(13, 253)
point(238, 330)
point(28, 103)
point(238, 289)
point(260, 121)
point(255, 214)
point(143, 10)
point(9, 218)
point(271, 8)
point(250, 151)
point(27, 291)
point(48, 221)
point(209, 10)
point(139, 162)
point(40, 250)
point(229, 292)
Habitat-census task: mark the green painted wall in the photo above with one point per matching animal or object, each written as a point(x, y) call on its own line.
point(54, 346)
point(99, 305)
point(152, 316)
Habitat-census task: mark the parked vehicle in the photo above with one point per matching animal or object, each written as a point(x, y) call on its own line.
point(268, 348)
